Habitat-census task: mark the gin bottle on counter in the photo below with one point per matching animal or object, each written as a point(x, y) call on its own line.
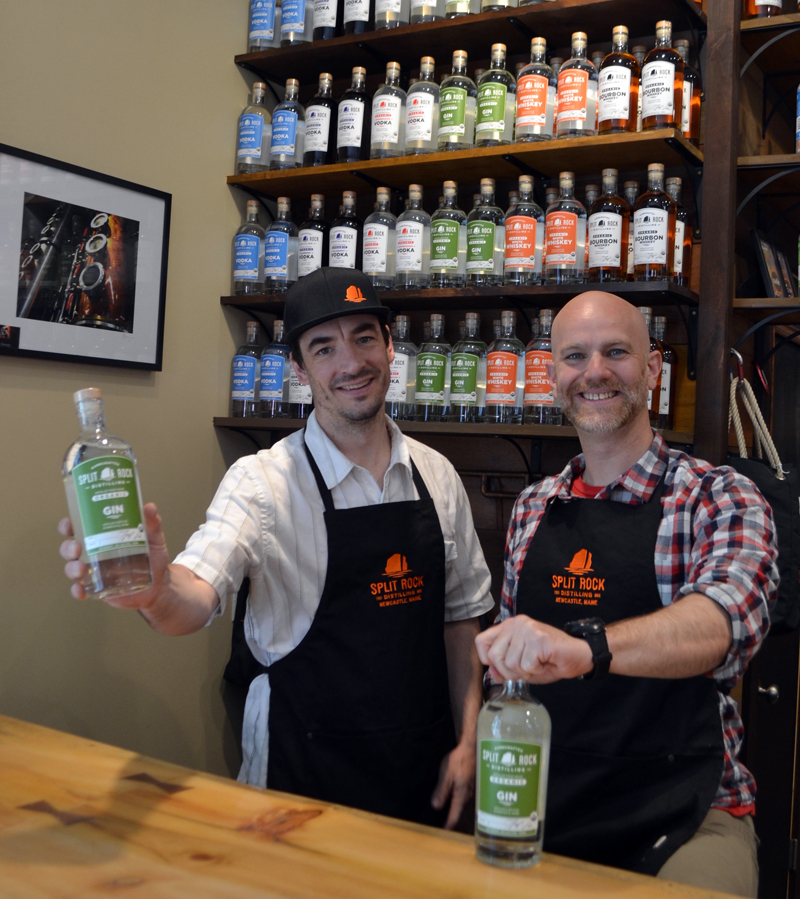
point(378, 252)
point(422, 111)
point(388, 116)
point(254, 134)
point(263, 26)
point(320, 130)
point(536, 96)
point(280, 250)
point(248, 254)
point(110, 531)
point(497, 102)
point(457, 101)
point(434, 362)
point(413, 244)
point(540, 406)
point(274, 384)
point(312, 245)
point(449, 241)
point(468, 373)
point(245, 376)
point(344, 248)
point(288, 130)
point(353, 120)
point(485, 240)
point(400, 397)
point(505, 373)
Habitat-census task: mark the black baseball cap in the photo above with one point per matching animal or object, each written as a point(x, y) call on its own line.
point(329, 293)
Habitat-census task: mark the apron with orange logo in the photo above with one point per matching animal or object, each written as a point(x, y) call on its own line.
point(359, 711)
point(635, 762)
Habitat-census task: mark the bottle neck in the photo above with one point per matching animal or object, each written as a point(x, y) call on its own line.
point(567, 191)
point(402, 330)
point(291, 95)
point(283, 215)
point(499, 61)
point(383, 205)
point(91, 416)
point(515, 689)
point(525, 196)
point(664, 39)
point(357, 84)
point(437, 330)
point(460, 68)
point(258, 98)
point(579, 51)
point(324, 91)
point(252, 216)
point(658, 331)
point(539, 56)
point(546, 324)
point(610, 187)
point(487, 199)
point(449, 201)
point(348, 211)
point(316, 213)
point(392, 79)
point(655, 183)
point(278, 333)
point(472, 327)
point(425, 76)
point(414, 203)
point(620, 44)
point(675, 194)
point(252, 334)
point(508, 329)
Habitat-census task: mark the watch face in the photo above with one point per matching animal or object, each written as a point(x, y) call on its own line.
point(586, 626)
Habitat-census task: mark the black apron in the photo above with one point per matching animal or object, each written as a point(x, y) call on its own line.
point(635, 762)
point(359, 711)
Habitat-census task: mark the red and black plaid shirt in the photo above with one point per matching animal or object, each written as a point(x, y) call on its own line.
point(716, 537)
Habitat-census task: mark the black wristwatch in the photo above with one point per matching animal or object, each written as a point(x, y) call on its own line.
point(593, 631)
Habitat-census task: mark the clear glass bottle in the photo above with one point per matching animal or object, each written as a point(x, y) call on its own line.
point(345, 239)
point(273, 392)
point(513, 746)
point(261, 27)
point(379, 242)
point(288, 130)
point(254, 133)
point(110, 531)
point(245, 376)
point(540, 406)
point(592, 193)
point(434, 362)
point(280, 250)
point(313, 238)
point(565, 235)
point(449, 241)
point(536, 96)
point(468, 373)
point(356, 16)
point(413, 244)
point(327, 20)
point(297, 22)
point(422, 111)
point(301, 402)
point(761, 9)
point(662, 415)
point(453, 9)
point(354, 120)
point(524, 237)
point(609, 223)
point(662, 82)
point(426, 11)
point(248, 254)
point(652, 395)
point(555, 64)
point(490, 5)
point(577, 92)
point(400, 398)
point(320, 115)
point(631, 192)
point(497, 102)
point(388, 116)
point(550, 196)
point(457, 103)
point(513, 199)
point(505, 373)
point(618, 87)
point(654, 229)
point(692, 96)
point(682, 259)
point(391, 13)
point(486, 240)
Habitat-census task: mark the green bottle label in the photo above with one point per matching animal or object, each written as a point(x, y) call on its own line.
point(491, 107)
point(431, 371)
point(464, 377)
point(480, 246)
point(444, 245)
point(453, 111)
point(508, 788)
point(108, 500)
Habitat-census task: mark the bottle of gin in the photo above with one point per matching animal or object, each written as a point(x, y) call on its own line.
point(485, 240)
point(261, 25)
point(297, 22)
point(663, 412)
point(110, 530)
point(468, 373)
point(512, 767)
point(356, 16)
point(449, 241)
point(536, 96)
point(248, 254)
point(244, 376)
point(327, 19)
point(497, 102)
point(388, 116)
point(288, 130)
point(254, 134)
point(400, 398)
point(540, 405)
point(631, 192)
point(654, 218)
point(280, 250)
point(618, 91)
point(354, 120)
point(692, 96)
point(577, 92)
point(662, 83)
point(609, 222)
point(565, 235)
point(345, 240)
point(273, 390)
point(413, 244)
point(312, 239)
point(319, 149)
point(391, 13)
point(426, 11)
point(505, 373)
point(433, 374)
point(682, 261)
point(422, 111)
point(379, 242)
point(524, 237)
point(457, 101)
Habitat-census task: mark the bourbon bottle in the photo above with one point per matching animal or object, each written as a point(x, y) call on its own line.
point(609, 222)
point(654, 229)
point(662, 83)
point(618, 90)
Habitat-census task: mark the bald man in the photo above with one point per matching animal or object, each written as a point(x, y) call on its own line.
point(637, 588)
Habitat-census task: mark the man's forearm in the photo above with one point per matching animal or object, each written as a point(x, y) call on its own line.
point(464, 672)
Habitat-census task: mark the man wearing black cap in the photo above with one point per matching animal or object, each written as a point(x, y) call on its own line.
point(366, 582)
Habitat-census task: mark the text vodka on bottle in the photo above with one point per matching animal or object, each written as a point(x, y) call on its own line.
point(280, 250)
point(313, 238)
point(273, 392)
point(245, 376)
point(413, 244)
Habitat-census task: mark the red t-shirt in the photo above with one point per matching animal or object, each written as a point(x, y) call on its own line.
point(583, 490)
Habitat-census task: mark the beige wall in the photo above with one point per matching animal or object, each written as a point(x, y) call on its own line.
point(145, 90)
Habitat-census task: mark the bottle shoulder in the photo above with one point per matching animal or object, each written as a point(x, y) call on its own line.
point(414, 215)
point(524, 208)
point(621, 60)
point(471, 347)
point(92, 446)
point(610, 204)
point(315, 225)
point(453, 215)
point(655, 200)
point(507, 345)
point(436, 347)
point(538, 68)
point(569, 206)
point(381, 217)
point(390, 90)
point(462, 82)
point(257, 109)
point(498, 76)
point(285, 227)
point(581, 65)
point(492, 214)
point(252, 228)
point(664, 54)
point(404, 348)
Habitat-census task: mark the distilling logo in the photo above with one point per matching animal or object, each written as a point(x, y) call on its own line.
point(581, 562)
point(399, 585)
point(354, 294)
point(574, 587)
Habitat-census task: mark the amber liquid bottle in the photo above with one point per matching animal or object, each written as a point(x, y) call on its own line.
point(609, 221)
point(662, 82)
point(762, 9)
point(630, 191)
point(692, 96)
point(665, 404)
point(654, 218)
point(682, 262)
point(652, 395)
point(618, 90)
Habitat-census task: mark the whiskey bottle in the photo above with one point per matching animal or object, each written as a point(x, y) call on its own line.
point(388, 116)
point(457, 101)
point(513, 199)
point(618, 90)
point(356, 16)
point(391, 13)
point(555, 64)
point(692, 96)
point(426, 11)
point(639, 53)
point(313, 238)
point(413, 244)
point(631, 191)
point(244, 376)
point(654, 229)
point(319, 149)
point(400, 398)
point(433, 374)
point(261, 30)
point(449, 241)
point(379, 242)
point(669, 363)
point(280, 250)
point(354, 120)
point(105, 505)
point(345, 238)
point(565, 235)
point(254, 134)
point(609, 223)
point(524, 237)
point(655, 346)
point(297, 22)
point(485, 240)
point(248, 254)
point(422, 111)
point(505, 373)
point(273, 391)
point(682, 261)
point(327, 20)
point(496, 110)
point(577, 92)
point(761, 9)
point(513, 747)
point(468, 373)
point(662, 83)
point(536, 96)
point(288, 130)
point(540, 407)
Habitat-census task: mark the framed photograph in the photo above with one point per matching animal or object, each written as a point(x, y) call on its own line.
point(769, 266)
point(83, 263)
point(789, 288)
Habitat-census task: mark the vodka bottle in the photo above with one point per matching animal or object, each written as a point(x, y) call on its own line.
point(577, 92)
point(565, 235)
point(297, 22)
point(536, 96)
point(692, 96)
point(631, 191)
point(682, 261)
point(654, 229)
point(391, 13)
point(354, 120)
point(449, 241)
point(280, 250)
point(244, 375)
point(320, 130)
point(379, 243)
point(513, 747)
point(662, 83)
point(261, 25)
point(345, 239)
point(273, 392)
point(454, 9)
point(254, 134)
point(313, 238)
point(496, 110)
point(457, 101)
point(248, 254)
point(400, 398)
point(388, 116)
point(300, 400)
point(609, 222)
point(540, 405)
point(664, 408)
point(433, 374)
point(490, 5)
point(288, 130)
point(468, 373)
point(524, 237)
point(426, 11)
point(486, 240)
point(505, 373)
point(105, 505)
point(356, 16)
point(327, 19)
point(413, 244)
point(422, 112)
point(618, 90)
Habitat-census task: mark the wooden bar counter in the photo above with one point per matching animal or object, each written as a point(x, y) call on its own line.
point(80, 819)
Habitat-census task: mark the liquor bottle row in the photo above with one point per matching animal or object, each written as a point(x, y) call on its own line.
point(611, 238)
point(765, 9)
point(502, 382)
point(576, 98)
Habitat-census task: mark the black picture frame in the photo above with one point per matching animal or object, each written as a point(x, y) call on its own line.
point(83, 263)
point(769, 265)
point(789, 280)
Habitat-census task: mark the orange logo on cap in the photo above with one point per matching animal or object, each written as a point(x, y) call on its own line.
point(354, 294)
point(581, 562)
